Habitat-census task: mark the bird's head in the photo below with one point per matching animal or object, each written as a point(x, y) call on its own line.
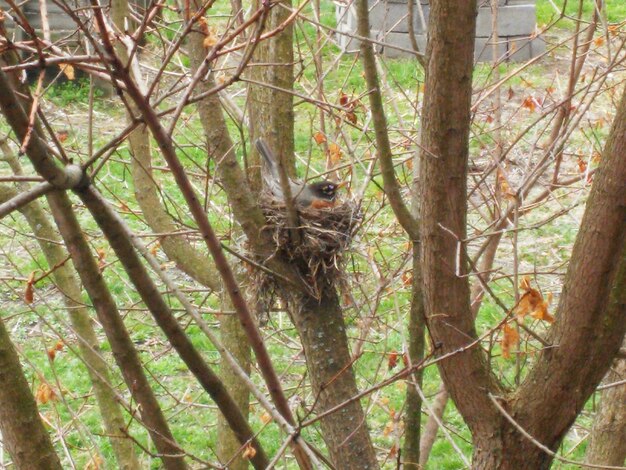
point(326, 189)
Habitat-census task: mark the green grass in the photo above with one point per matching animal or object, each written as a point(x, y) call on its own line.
point(72, 92)
point(193, 422)
point(546, 13)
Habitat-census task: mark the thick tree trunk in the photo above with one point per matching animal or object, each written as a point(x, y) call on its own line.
point(591, 316)
point(323, 334)
point(319, 322)
point(439, 405)
point(23, 432)
point(445, 139)
point(589, 323)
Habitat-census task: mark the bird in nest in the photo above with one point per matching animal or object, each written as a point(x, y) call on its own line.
point(317, 195)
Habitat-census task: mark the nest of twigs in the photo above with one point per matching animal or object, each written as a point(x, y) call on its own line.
point(315, 247)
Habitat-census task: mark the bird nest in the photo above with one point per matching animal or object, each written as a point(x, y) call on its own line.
point(315, 246)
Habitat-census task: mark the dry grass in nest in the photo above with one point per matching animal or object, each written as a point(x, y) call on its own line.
point(325, 234)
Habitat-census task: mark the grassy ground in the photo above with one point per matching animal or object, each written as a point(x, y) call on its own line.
point(35, 328)
point(546, 11)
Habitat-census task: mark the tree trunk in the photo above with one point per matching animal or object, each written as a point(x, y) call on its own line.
point(413, 412)
point(192, 261)
point(323, 334)
point(23, 432)
point(589, 324)
point(607, 445)
point(235, 340)
point(117, 236)
point(445, 140)
point(429, 436)
point(591, 316)
point(271, 110)
point(219, 144)
point(438, 407)
point(124, 352)
point(121, 344)
point(110, 411)
point(409, 220)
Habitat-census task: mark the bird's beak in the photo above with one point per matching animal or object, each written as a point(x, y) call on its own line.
point(342, 184)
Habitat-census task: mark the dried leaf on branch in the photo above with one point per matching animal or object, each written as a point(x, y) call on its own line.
point(510, 339)
point(29, 291)
point(45, 394)
point(532, 303)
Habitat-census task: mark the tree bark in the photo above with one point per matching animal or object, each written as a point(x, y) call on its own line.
point(319, 322)
point(607, 444)
point(122, 346)
point(71, 232)
point(323, 333)
point(445, 140)
point(23, 431)
point(147, 289)
point(413, 413)
point(438, 407)
point(219, 145)
point(192, 261)
point(408, 219)
point(235, 340)
point(271, 110)
point(591, 315)
point(589, 324)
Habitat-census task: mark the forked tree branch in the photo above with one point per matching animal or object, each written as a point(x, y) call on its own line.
point(539, 445)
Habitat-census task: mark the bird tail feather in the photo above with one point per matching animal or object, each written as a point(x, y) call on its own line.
point(270, 173)
point(268, 157)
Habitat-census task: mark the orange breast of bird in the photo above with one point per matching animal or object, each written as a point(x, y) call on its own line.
point(322, 204)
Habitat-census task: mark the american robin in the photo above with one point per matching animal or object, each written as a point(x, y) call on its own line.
point(321, 194)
